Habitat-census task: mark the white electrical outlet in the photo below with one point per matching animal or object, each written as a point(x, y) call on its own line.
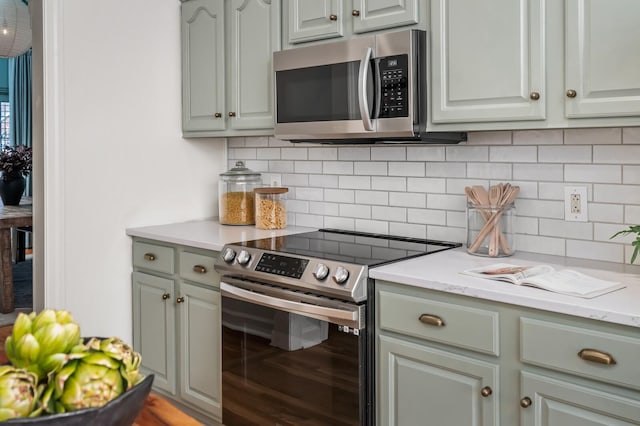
point(575, 203)
point(271, 179)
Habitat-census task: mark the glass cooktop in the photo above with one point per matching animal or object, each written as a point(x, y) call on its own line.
point(352, 247)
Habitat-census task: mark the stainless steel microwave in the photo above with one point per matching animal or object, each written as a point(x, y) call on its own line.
point(362, 90)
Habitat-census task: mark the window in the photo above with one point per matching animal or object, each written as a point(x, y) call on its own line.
point(5, 123)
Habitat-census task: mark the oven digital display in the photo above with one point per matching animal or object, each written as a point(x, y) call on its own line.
point(281, 265)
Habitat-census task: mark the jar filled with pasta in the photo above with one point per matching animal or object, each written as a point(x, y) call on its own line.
point(271, 209)
point(236, 197)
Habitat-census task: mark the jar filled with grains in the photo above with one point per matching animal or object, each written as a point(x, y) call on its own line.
point(236, 197)
point(271, 209)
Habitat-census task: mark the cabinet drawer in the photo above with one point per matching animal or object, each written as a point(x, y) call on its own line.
point(460, 326)
point(153, 257)
point(199, 268)
point(558, 347)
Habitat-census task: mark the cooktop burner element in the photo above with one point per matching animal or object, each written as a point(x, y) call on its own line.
point(328, 262)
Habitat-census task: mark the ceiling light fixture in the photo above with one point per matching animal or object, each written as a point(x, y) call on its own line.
point(15, 37)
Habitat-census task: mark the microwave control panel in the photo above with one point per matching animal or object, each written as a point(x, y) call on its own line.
point(394, 73)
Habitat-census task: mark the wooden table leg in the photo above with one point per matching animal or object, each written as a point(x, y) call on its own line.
point(6, 272)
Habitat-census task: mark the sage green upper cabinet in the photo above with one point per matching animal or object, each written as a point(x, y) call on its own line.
point(313, 20)
point(532, 64)
point(227, 66)
point(203, 94)
point(602, 58)
point(488, 60)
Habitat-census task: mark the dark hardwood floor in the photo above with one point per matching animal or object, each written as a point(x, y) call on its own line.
point(157, 411)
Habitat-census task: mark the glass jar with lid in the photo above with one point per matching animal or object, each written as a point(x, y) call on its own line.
point(271, 210)
point(236, 197)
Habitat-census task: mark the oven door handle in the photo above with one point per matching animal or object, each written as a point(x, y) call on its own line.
point(350, 318)
point(363, 75)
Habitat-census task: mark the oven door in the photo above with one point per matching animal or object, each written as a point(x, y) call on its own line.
point(287, 360)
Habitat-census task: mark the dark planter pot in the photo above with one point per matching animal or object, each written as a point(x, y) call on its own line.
point(11, 190)
point(121, 411)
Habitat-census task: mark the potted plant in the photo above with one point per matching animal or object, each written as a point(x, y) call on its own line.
point(15, 165)
point(635, 229)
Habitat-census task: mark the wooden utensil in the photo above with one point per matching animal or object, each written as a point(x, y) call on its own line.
point(495, 194)
point(495, 217)
point(479, 197)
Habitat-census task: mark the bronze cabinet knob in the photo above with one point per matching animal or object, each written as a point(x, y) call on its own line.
point(165, 296)
point(232, 114)
point(525, 402)
point(355, 12)
point(217, 115)
point(150, 257)
point(486, 391)
point(180, 299)
point(534, 96)
point(571, 93)
point(333, 17)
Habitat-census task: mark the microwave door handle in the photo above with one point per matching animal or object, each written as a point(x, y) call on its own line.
point(363, 76)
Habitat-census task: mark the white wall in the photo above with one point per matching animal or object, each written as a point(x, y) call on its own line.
point(114, 156)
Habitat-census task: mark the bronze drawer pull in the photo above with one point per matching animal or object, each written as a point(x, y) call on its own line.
point(595, 355)
point(199, 269)
point(180, 299)
point(434, 320)
point(486, 391)
point(525, 402)
point(150, 257)
point(165, 296)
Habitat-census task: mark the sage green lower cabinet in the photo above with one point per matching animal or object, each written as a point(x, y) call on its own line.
point(176, 324)
point(447, 359)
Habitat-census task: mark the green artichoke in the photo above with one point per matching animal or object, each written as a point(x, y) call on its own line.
point(92, 375)
point(19, 393)
point(40, 342)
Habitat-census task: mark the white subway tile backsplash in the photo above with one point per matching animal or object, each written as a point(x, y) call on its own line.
point(394, 214)
point(339, 195)
point(388, 183)
point(372, 197)
point(388, 153)
point(406, 168)
point(594, 250)
point(429, 217)
point(539, 172)
point(467, 153)
point(631, 174)
point(489, 171)
point(538, 137)
point(425, 153)
point(418, 190)
point(354, 182)
point(624, 154)
point(337, 167)
point(513, 154)
point(378, 168)
point(602, 136)
point(426, 185)
point(564, 154)
point(354, 153)
point(564, 229)
point(408, 199)
point(592, 173)
point(622, 194)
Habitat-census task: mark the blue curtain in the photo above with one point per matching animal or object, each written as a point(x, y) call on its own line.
point(20, 100)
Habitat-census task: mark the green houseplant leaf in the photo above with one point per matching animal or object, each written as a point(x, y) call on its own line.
point(635, 229)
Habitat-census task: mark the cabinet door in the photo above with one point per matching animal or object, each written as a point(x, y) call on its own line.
point(371, 15)
point(418, 383)
point(559, 403)
point(602, 58)
point(203, 94)
point(487, 60)
point(154, 333)
point(314, 20)
point(254, 34)
point(200, 363)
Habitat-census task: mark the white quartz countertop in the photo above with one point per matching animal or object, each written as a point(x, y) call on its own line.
point(441, 271)
point(208, 234)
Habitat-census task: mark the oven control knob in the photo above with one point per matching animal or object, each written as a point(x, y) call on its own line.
point(321, 272)
point(244, 257)
point(228, 255)
point(341, 276)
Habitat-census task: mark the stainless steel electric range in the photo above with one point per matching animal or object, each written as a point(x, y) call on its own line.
point(298, 325)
